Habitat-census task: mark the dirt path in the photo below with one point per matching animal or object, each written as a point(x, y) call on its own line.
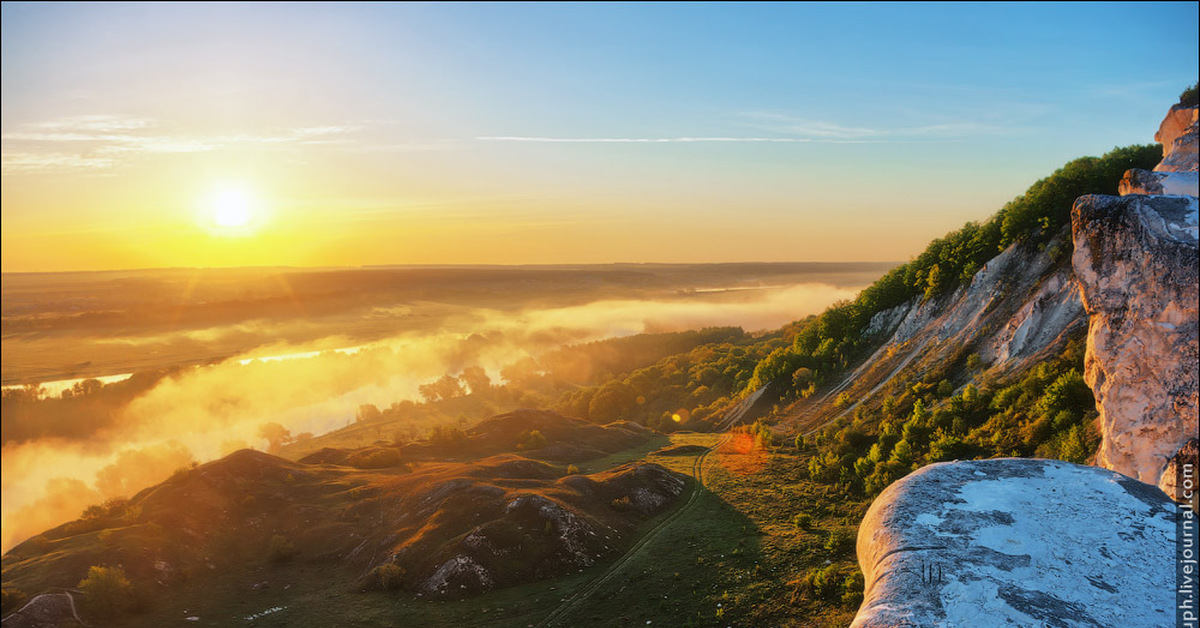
point(583, 593)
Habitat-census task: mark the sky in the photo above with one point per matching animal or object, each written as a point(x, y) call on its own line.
point(165, 135)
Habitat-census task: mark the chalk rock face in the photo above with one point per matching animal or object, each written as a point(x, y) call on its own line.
point(1175, 479)
point(1136, 262)
point(1178, 172)
point(1017, 542)
point(1178, 135)
point(1138, 181)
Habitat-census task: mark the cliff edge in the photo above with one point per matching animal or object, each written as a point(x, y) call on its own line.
point(1136, 263)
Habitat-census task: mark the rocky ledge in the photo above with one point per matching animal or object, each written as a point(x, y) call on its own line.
point(1017, 542)
point(1136, 264)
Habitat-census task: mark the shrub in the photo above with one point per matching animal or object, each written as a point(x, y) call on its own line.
point(840, 541)
point(974, 362)
point(446, 435)
point(572, 470)
point(11, 599)
point(107, 592)
point(281, 549)
point(389, 576)
point(622, 504)
point(532, 440)
point(852, 590)
point(1189, 97)
point(375, 458)
point(821, 584)
point(802, 521)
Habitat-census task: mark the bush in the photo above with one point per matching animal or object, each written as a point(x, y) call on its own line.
point(446, 435)
point(532, 440)
point(107, 593)
point(821, 584)
point(11, 599)
point(1189, 97)
point(389, 576)
point(623, 504)
point(572, 470)
point(802, 521)
point(852, 590)
point(840, 541)
point(280, 549)
point(375, 458)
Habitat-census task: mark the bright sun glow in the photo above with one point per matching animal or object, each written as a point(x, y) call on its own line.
point(231, 210)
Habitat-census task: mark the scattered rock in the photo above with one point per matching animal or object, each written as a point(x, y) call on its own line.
point(49, 610)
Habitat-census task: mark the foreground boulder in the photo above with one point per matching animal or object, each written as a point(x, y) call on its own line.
point(1017, 542)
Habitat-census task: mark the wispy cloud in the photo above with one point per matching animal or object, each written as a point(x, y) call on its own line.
point(98, 142)
point(785, 129)
point(665, 140)
point(819, 129)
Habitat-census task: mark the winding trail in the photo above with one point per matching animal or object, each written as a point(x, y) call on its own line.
point(582, 594)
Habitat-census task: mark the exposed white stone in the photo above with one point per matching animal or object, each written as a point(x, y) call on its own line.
point(1138, 181)
point(458, 568)
point(1136, 262)
point(1178, 134)
point(1017, 542)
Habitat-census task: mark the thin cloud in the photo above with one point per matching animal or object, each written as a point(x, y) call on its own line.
point(23, 162)
point(98, 142)
point(802, 128)
point(664, 140)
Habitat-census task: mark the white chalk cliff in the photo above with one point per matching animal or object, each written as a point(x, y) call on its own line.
point(1026, 542)
point(1136, 264)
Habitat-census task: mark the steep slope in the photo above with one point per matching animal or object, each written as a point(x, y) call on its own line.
point(1020, 307)
point(1000, 294)
point(1014, 541)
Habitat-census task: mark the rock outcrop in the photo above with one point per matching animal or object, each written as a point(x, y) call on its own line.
point(1136, 263)
point(1178, 135)
point(1140, 181)
point(1177, 173)
point(1135, 258)
point(1017, 542)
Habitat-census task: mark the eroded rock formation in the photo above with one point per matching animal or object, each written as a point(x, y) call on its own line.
point(1177, 173)
point(1178, 135)
point(1017, 542)
point(1136, 263)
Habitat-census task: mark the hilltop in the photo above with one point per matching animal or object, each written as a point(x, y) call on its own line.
point(435, 519)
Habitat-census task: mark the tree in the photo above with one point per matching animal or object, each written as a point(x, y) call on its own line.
point(107, 592)
point(476, 379)
point(277, 435)
point(611, 401)
point(447, 387)
point(367, 413)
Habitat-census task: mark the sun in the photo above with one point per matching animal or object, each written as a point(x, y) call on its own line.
point(231, 210)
